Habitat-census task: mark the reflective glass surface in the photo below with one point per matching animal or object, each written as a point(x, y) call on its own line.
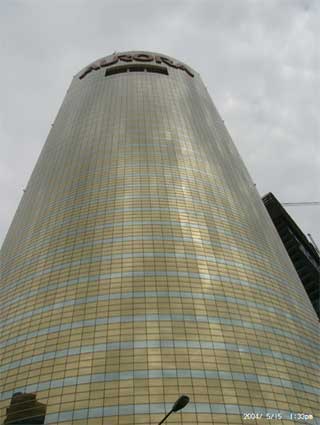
point(141, 265)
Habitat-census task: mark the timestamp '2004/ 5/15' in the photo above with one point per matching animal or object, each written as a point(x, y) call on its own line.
point(252, 416)
point(278, 416)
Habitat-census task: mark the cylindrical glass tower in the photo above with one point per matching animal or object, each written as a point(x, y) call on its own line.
point(141, 265)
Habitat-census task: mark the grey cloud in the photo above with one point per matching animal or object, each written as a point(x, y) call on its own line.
point(259, 60)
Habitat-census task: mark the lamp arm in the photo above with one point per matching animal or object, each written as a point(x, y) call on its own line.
point(165, 417)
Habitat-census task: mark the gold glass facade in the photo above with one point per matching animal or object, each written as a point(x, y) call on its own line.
point(141, 264)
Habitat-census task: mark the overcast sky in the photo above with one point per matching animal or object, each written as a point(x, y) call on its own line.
point(258, 58)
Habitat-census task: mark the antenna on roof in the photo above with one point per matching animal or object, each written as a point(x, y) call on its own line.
point(293, 204)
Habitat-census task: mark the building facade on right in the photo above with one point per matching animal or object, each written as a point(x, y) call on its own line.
point(142, 264)
point(302, 253)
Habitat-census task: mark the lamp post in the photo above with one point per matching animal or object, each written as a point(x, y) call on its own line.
point(182, 401)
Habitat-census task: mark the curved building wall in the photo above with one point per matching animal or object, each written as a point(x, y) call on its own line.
point(141, 264)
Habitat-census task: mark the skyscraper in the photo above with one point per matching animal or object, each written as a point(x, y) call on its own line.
point(302, 253)
point(141, 264)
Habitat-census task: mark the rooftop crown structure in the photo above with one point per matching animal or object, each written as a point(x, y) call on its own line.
point(141, 265)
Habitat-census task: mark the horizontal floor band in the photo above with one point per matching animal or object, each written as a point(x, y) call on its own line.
point(163, 317)
point(217, 230)
point(193, 188)
point(208, 258)
point(152, 344)
point(157, 294)
point(144, 274)
point(114, 211)
point(163, 373)
point(153, 166)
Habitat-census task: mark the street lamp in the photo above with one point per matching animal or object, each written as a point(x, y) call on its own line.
point(182, 401)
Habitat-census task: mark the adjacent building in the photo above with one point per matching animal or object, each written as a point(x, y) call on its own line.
point(302, 253)
point(142, 264)
point(24, 409)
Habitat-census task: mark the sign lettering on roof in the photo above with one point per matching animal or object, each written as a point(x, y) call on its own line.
point(138, 57)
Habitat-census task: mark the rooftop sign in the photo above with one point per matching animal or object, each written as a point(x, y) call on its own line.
point(138, 57)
